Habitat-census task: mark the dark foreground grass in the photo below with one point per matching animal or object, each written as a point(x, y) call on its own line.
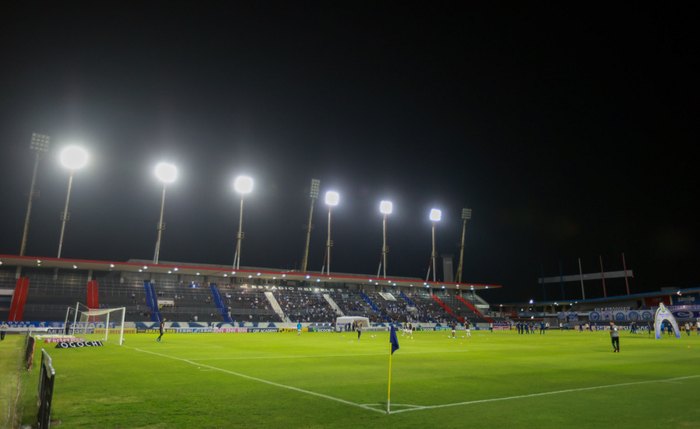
point(10, 373)
point(327, 380)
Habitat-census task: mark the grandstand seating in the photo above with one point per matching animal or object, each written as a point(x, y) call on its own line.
point(190, 298)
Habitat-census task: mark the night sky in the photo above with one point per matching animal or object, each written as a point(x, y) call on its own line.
point(570, 132)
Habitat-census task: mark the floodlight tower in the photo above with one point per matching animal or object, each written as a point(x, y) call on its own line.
point(315, 185)
point(243, 185)
point(332, 200)
point(385, 208)
point(73, 158)
point(166, 173)
point(39, 144)
point(466, 215)
point(435, 217)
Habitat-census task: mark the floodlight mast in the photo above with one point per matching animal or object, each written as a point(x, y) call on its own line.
point(332, 199)
point(435, 216)
point(73, 158)
point(466, 215)
point(315, 185)
point(39, 144)
point(385, 208)
point(243, 185)
point(166, 173)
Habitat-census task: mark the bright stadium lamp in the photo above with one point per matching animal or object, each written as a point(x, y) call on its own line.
point(385, 208)
point(332, 199)
point(73, 158)
point(166, 173)
point(435, 217)
point(243, 185)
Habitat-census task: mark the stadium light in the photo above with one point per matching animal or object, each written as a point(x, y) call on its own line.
point(166, 173)
point(73, 158)
point(435, 217)
point(466, 215)
point(385, 208)
point(313, 194)
point(243, 185)
point(332, 199)
point(39, 144)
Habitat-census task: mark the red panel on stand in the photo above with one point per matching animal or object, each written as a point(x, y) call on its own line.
point(474, 309)
point(93, 299)
point(19, 298)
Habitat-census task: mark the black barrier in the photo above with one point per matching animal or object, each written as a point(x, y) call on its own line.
point(46, 379)
point(29, 352)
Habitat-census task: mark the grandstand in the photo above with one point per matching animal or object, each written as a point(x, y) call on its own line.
point(211, 294)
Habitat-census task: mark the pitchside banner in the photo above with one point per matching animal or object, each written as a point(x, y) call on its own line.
point(621, 316)
point(78, 344)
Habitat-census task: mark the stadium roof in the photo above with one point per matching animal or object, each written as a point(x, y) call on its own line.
point(222, 271)
point(616, 298)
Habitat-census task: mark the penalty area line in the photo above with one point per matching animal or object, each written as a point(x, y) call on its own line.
point(260, 380)
point(534, 395)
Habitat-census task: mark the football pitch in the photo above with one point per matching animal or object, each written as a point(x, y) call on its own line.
point(332, 380)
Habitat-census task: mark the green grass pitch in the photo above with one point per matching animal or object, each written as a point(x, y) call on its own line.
point(331, 380)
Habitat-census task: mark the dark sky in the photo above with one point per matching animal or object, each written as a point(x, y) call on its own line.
point(570, 131)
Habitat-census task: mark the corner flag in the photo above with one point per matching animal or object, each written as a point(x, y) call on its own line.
point(394, 346)
point(393, 340)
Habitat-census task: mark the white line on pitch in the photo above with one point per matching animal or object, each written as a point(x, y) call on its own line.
point(325, 355)
point(260, 380)
point(533, 395)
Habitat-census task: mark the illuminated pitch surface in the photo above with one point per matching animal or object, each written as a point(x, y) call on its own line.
point(270, 380)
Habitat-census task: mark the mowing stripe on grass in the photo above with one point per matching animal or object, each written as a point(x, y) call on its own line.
point(326, 355)
point(260, 380)
point(534, 395)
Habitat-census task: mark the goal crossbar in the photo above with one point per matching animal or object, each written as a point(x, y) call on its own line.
point(83, 318)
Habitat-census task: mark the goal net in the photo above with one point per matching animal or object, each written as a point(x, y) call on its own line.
point(102, 324)
point(344, 323)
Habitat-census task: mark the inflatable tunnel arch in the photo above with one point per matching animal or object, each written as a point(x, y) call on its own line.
point(662, 313)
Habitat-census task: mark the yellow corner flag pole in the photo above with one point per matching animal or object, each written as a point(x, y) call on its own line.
point(388, 394)
point(394, 341)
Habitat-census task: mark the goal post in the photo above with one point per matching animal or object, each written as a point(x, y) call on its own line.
point(342, 321)
point(97, 322)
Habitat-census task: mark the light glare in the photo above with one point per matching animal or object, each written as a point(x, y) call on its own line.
point(435, 215)
point(74, 157)
point(166, 172)
point(243, 184)
point(332, 198)
point(386, 207)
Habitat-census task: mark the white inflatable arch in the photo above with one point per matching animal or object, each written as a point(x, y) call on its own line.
point(662, 313)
